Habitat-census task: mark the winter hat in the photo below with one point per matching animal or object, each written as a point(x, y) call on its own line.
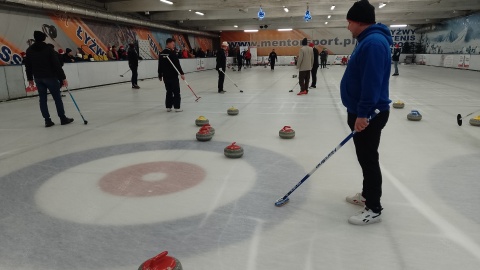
point(60, 51)
point(68, 50)
point(397, 46)
point(121, 47)
point(39, 36)
point(362, 11)
point(311, 44)
point(304, 41)
point(225, 43)
point(23, 54)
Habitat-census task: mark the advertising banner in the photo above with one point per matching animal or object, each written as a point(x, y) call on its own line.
point(91, 37)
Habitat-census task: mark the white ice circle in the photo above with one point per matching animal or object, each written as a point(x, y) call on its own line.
point(75, 194)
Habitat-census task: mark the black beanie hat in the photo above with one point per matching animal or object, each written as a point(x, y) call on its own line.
point(68, 50)
point(304, 42)
point(362, 11)
point(39, 36)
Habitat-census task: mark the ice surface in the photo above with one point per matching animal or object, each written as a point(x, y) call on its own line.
point(54, 215)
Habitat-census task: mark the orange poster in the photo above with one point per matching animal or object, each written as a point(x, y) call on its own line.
point(9, 54)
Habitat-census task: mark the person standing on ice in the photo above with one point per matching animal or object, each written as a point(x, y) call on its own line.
point(304, 65)
point(364, 89)
point(272, 57)
point(221, 64)
point(43, 66)
point(167, 71)
point(396, 58)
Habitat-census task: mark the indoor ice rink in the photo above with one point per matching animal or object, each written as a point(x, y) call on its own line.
point(135, 181)
point(56, 211)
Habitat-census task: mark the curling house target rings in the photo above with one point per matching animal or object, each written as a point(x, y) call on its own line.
point(73, 242)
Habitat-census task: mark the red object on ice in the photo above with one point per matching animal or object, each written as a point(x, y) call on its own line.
point(159, 262)
point(287, 129)
point(233, 146)
point(205, 129)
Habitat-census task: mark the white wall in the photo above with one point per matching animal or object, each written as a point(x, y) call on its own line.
point(88, 74)
point(449, 60)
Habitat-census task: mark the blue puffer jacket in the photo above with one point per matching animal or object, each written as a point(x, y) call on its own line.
point(364, 85)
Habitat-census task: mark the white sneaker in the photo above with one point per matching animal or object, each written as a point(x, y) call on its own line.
point(356, 199)
point(169, 109)
point(178, 110)
point(365, 217)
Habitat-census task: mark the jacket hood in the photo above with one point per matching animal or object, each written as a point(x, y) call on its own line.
point(377, 29)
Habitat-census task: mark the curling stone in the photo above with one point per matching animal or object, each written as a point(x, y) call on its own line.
point(161, 261)
point(201, 120)
point(398, 104)
point(212, 130)
point(414, 115)
point(233, 151)
point(204, 134)
point(475, 121)
point(232, 111)
point(286, 133)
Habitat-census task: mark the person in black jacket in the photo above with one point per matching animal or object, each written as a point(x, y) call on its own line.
point(315, 66)
point(133, 64)
point(43, 66)
point(68, 56)
point(323, 58)
point(221, 64)
point(239, 55)
point(168, 70)
point(396, 58)
point(272, 57)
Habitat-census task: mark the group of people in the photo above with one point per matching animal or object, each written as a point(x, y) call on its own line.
point(308, 64)
point(364, 91)
point(242, 56)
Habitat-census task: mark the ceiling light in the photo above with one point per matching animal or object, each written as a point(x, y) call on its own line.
point(167, 2)
point(189, 10)
point(329, 16)
point(398, 25)
point(332, 8)
point(326, 22)
point(285, 29)
point(236, 26)
point(250, 31)
point(199, 13)
point(285, 8)
point(381, 5)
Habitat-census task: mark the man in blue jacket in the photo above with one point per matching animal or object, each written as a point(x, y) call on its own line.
point(364, 89)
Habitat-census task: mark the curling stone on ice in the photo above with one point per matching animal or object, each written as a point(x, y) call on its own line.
point(286, 133)
point(233, 151)
point(414, 115)
point(201, 120)
point(475, 121)
point(212, 130)
point(161, 262)
point(398, 104)
point(232, 111)
point(204, 134)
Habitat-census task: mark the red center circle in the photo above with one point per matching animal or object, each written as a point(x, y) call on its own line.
point(128, 181)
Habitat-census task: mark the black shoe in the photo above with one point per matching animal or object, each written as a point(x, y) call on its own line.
point(290, 91)
point(66, 121)
point(221, 92)
point(312, 86)
point(395, 74)
point(49, 123)
point(135, 87)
